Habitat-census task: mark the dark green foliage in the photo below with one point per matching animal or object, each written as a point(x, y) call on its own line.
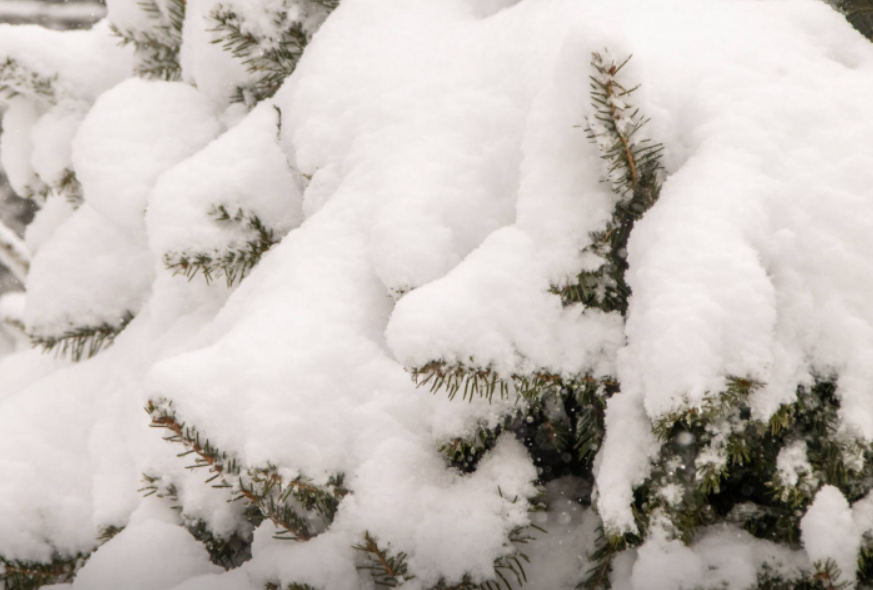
point(391, 571)
point(826, 576)
point(464, 453)
point(157, 49)
point(30, 575)
point(69, 188)
point(234, 262)
point(634, 171)
point(743, 486)
point(18, 80)
point(387, 570)
point(83, 341)
point(860, 14)
point(606, 548)
point(298, 507)
point(108, 533)
point(228, 552)
point(292, 586)
point(270, 62)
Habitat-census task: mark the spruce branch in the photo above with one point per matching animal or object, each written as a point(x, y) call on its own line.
point(157, 48)
point(271, 60)
point(235, 261)
point(633, 169)
point(16, 79)
point(81, 342)
point(13, 253)
point(605, 549)
point(227, 551)
point(860, 14)
point(31, 575)
point(387, 570)
point(69, 187)
point(290, 504)
point(21, 574)
point(470, 381)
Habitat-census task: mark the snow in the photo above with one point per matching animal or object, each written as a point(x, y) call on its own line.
point(792, 464)
point(432, 180)
point(243, 170)
point(52, 136)
point(16, 144)
point(828, 532)
point(95, 292)
point(86, 63)
point(205, 64)
point(133, 134)
point(151, 553)
point(722, 556)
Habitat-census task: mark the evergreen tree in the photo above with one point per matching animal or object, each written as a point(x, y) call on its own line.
point(175, 153)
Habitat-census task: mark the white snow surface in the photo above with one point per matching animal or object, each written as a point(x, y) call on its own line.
point(94, 292)
point(451, 186)
point(829, 533)
point(85, 63)
point(131, 136)
point(244, 171)
point(152, 553)
point(16, 144)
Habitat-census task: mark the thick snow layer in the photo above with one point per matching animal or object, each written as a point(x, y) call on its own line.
point(93, 292)
point(85, 63)
point(52, 138)
point(16, 144)
point(451, 186)
point(205, 64)
point(828, 532)
point(721, 557)
point(132, 135)
point(245, 171)
point(152, 553)
point(51, 215)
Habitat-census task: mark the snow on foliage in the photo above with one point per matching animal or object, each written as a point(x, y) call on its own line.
point(398, 188)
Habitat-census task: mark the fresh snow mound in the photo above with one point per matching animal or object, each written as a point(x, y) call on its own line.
point(828, 533)
point(132, 135)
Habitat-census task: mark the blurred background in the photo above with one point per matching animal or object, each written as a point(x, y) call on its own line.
point(16, 212)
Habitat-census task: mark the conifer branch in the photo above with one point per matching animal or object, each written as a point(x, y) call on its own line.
point(228, 551)
point(391, 570)
point(234, 262)
point(633, 169)
point(270, 59)
point(860, 14)
point(82, 342)
point(31, 575)
point(485, 382)
point(605, 550)
point(291, 586)
point(69, 187)
point(289, 504)
point(13, 253)
point(16, 79)
point(736, 393)
point(19, 574)
point(157, 49)
point(387, 570)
